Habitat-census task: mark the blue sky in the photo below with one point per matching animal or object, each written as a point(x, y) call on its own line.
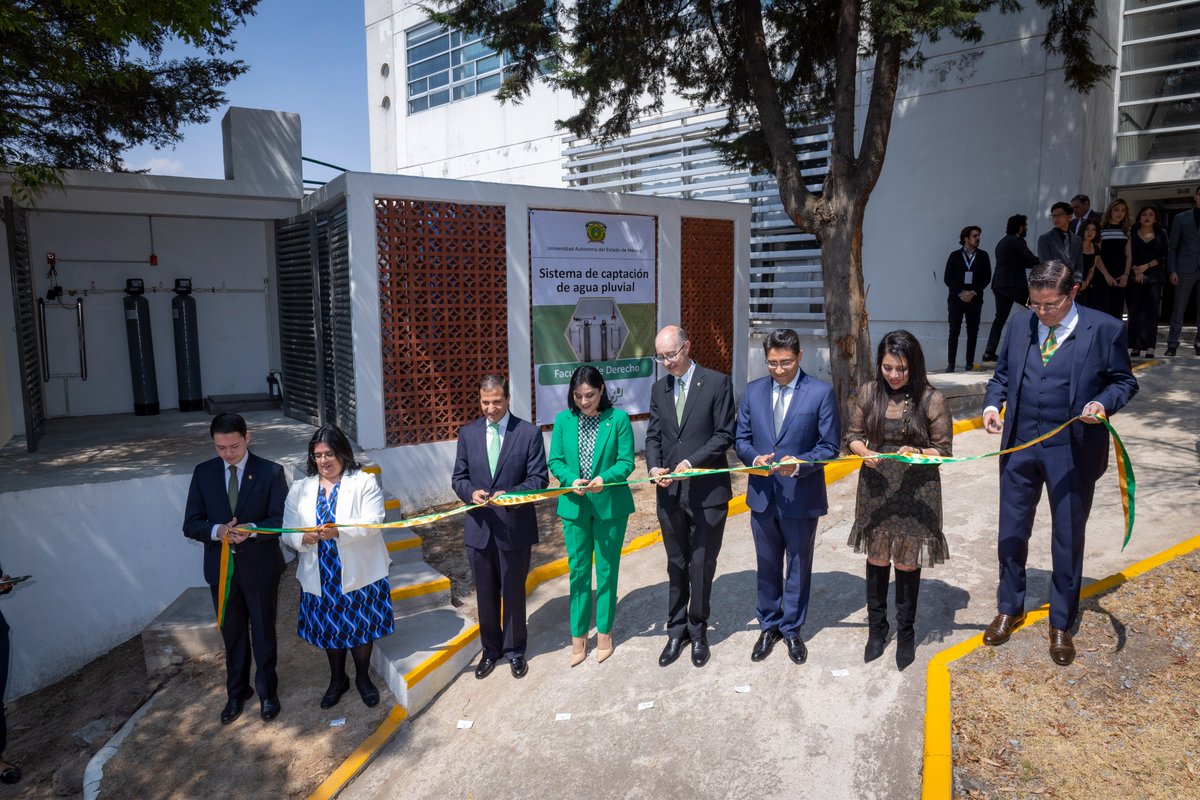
point(307, 56)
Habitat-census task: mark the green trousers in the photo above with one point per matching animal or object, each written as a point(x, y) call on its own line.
point(584, 537)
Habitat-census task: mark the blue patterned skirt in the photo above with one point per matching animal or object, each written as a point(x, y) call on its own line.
point(338, 619)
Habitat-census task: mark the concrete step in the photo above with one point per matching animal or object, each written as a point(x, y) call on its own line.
point(416, 586)
point(402, 544)
point(427, 651)
point(185, 629)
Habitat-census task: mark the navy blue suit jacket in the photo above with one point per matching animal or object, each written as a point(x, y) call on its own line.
point(1100, 371)
point(261, 496)
point(811, 432)
point(521, 467)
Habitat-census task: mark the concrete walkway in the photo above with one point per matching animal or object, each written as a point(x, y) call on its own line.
point(833, 728)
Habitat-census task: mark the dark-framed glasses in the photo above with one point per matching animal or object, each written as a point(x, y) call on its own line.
point(665, 357)
point(1047, 308)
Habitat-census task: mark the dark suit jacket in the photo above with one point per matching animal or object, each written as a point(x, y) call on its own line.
point(1100, 371)
point(810, 432)
point(1184, 254)
point(1076, 225)
point(1050, 247)
point(260, 502)
point(521, 468)
point(954, 276)
point(1013, 260)
point(701, 439)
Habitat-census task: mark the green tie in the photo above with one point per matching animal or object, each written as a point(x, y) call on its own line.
point(679, 400)
point(1049, 346)
point(493, 446)
point(232, 489)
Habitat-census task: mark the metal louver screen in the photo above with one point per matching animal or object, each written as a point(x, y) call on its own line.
point(337, 331)
point(295, 258)
point(28, 355)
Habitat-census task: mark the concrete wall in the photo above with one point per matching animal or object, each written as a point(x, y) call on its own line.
point(425, 469)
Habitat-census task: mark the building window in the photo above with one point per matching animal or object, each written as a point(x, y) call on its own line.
point(444, 66)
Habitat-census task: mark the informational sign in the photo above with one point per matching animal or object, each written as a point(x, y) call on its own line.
point(592, 280)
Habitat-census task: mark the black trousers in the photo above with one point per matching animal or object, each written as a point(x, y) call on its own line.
point(957, 310)
point(3, 682)
point(500, 576)
point(1144, 300)
point(250, 612)
point(1004, 305)
point(692, 537)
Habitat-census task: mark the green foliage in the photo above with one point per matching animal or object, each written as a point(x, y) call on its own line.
point(81, 81)
point(619, 58)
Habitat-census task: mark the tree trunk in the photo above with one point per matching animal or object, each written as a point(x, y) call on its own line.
point(850, 352)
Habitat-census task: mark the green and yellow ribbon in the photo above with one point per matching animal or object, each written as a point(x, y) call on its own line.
point(1128, 487)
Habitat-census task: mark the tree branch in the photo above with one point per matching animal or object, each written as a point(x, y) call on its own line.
point(878, 124)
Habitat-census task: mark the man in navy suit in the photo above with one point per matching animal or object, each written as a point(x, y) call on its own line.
point(499, 453)
point(1059, 361)
point(239, 489)
point(788, 416)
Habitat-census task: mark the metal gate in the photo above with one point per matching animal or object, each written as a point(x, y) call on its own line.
point(312, 256)
point(28, 357)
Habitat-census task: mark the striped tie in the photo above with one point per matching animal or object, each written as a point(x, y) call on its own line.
point(1049, 346)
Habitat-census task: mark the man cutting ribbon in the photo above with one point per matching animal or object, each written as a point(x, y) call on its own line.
point(1059, 361)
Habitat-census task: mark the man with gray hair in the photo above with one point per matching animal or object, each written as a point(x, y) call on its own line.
point(1059, 361)
point(691, 426)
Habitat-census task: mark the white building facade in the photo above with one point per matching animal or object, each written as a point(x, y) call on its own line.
point(983, 132)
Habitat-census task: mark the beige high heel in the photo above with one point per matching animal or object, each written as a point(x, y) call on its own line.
point(578, 650)
point(604, 646)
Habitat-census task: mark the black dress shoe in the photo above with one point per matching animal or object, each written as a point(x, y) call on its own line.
point(949, 368)
point(367, 691)
point(1169, 352)
point(11, 774)
point(485, 667)
point(334, 693)
point(797, 652)
point(989, 358)
point(270, 709)
point(233, 709)
point(700, 651)
point(671, 652)
point(766, 641)
point(518, 666)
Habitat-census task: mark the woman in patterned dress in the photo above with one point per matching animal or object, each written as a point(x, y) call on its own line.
point(592, 445)
point(346, 603)
point(898, 515)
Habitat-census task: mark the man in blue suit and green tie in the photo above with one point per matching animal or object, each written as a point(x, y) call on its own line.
point(787, 416)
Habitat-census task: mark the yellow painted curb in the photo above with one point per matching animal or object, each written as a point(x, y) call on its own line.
point(372, 469)
point(937, 780)
point(404, 544)
point(391, 503)
point(359, 758)
point(417, 673)
point(417, 589)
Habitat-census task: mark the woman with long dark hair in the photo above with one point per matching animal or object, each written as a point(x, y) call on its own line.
point(592, 446)
point(346, 603)
point(1149, 256)
point(898, 515)
point(1090, 234)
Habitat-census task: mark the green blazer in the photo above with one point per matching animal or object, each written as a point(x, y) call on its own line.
point(612, 460)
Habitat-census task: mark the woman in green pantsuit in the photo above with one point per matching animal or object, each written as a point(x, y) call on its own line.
point(592, 446)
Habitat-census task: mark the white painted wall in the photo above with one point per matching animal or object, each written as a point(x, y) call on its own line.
point(419, 475)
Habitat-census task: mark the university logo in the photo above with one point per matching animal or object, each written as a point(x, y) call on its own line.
point(596, 231)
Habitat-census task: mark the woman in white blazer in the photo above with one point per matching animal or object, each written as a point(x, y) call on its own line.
point(346, 603)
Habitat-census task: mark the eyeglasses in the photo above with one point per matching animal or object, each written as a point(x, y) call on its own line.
point(1046, 308)
point(323, 456)
point(781, 364)
point(665, 357)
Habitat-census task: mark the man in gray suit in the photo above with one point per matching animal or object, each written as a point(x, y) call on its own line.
point(691, 426)
point(1183, 262)
point(1059, 244)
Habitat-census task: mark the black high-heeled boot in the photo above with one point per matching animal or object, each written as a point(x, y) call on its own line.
point(877, 624)
point(908, 587)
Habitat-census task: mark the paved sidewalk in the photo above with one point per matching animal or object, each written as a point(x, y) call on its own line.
point(735, 729)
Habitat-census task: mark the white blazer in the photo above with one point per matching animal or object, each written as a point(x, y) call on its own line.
point(362, 550)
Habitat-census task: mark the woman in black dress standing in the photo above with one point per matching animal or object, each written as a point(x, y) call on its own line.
point(898, 514)
point(1115, 256)
point(1149, 256)
point(1090, 234)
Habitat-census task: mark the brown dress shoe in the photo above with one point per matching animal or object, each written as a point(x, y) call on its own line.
point(1001, 628)
point(1062, 649)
